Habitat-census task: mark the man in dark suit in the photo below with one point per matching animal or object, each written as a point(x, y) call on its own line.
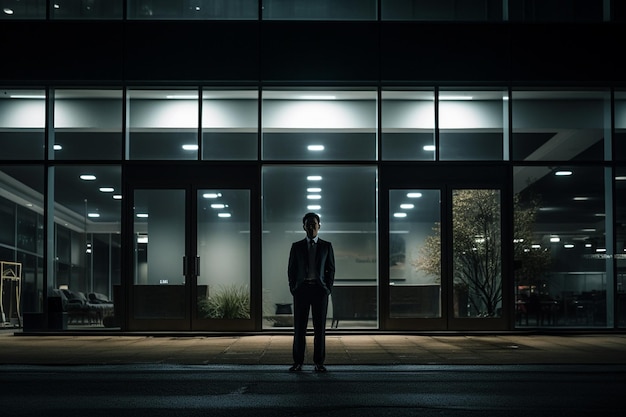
point(311, 273)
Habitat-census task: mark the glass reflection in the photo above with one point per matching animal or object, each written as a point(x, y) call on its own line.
point(22, 124)
point(414, 254)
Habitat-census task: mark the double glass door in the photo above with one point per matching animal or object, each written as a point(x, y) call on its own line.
point(446, 254)
point(191, 257)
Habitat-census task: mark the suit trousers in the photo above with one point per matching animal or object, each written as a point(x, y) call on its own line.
point(310, 297)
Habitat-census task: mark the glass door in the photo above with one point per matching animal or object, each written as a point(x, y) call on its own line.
point(446, 258)
point(192, 256)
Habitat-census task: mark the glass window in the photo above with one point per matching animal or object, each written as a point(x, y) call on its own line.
point(408, 125)
point(472, 124)
point(319, 125)
point(414, 236)
point(620, 249)
point(619, 139)
point(86, 9)
point(21, 228)
point(345, 199)
point(443, 10)
point(87, 124)
point(556, 10)
point(319, 10)
point(193, 9)
point(230, 121)
point(22, 123)
point(23, 9)
point(560, 250)
point(163, 124)
point(87, 221)
point(559, 125)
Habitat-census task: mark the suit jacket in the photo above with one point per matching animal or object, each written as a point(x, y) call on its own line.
point(298, 264)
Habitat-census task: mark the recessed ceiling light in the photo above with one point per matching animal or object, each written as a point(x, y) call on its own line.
point(316, 148)
point(218, 206)
point(429, 147)
point(211, 195)
point(442, 97)
point(587, 245)
point(107, 189)
point(142, 215)
point(314, 178)
point(568, 245)
point(93, 215)
point(182, 97)
point(8, 11)
point(399, 215)
point(314, 190)
point(563, 173)
point(57, 147)
point(88, 177)
point(224, 215)
point(313, 197)
point(190, 147)
point(601, 250)
point(535, 246)
point(117, 197)
point(407, 206)
point(555, 239)
point(314, 207)
point(620, 178)
point(34, 96)
point(581, 198)
point(414, 195)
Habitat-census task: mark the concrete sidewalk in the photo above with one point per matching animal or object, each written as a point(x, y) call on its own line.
point(341, 349)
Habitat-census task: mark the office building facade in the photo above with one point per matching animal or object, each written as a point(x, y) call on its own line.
point(467, 159)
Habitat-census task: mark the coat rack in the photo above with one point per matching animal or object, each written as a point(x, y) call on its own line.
point(11, 281)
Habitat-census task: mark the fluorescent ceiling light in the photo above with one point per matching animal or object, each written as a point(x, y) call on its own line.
point(314, 178)
point(407, 206)
point(429, 148)
point(57, 147)
point(313, 197)
point(455, 97)
point(182, 97)
point(212, 195)
point(568, 245)
point(563, 173)
point(601, 250)
point(314, 207)
point(535, 246)
point(587, 230)
point(107, 189)
point(142, 239)
point(117, 197)
point(93, 215)
point(142, 215)
point(88, 177)
point(581, 198)
point(588, 245)
point(314, 190)
point(555, 239)
point(620, 178)
point(224, 215)
point(399, 215)
point(8, 11)
point(315, 147)
point(316, 97)
point(218, 206)
point(414, 195)
point(190, 147)
point(36, 96)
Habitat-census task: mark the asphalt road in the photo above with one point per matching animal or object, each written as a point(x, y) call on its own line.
point(237, 390)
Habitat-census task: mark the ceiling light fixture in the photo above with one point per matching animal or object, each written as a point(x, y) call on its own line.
point(414, 195)
point(555, 239)
point(93, 215)
point(315, 148)
point(581, 198)
point(88, 177)
point(211, 195)
point(190, 147)
point(57, 147)
point(8, 11)
point(107, 189)
point(407, 206)
point(314, 190)
point(314, 178)
point(399, 215)
point(181, 97)
point(313, 197)
point(316, 97)
point(563, 173)
point(27, 96)
point(117, 197)
point(224, 215)
point(442, 98)
point(142, 215)
point(429, 148)
point(314, 207)
point(218, 206)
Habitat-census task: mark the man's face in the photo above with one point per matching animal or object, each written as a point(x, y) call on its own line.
point(311, 227)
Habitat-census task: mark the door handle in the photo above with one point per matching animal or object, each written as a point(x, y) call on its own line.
point(197, 266)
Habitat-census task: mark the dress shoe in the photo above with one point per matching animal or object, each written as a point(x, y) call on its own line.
point(320, 368)
point(296, 367)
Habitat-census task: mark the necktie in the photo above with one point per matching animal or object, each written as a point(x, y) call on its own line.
point(311, 258)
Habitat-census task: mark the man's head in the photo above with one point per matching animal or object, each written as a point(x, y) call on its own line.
point(311, 224)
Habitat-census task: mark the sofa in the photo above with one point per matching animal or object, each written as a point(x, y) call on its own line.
point(81, 308)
